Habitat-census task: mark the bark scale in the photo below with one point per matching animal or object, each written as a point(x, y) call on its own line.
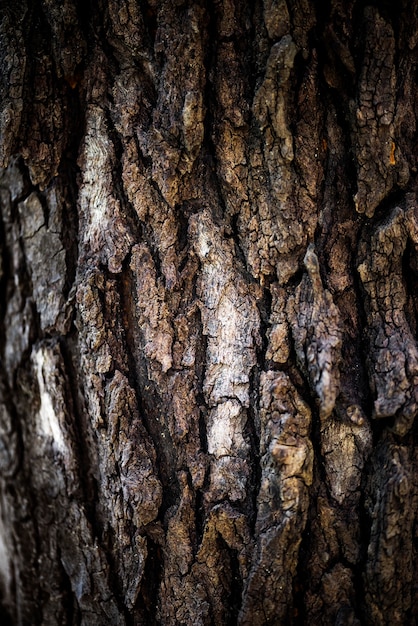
point(209, 366)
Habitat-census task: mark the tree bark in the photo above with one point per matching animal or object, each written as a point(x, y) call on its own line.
point(208, 312)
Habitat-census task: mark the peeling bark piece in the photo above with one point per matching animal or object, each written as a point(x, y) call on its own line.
point(391, 504)
point(317, 331)
point(380, 164)
point(393, 355)
point(282, 503)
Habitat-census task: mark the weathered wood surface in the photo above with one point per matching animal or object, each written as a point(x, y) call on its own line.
point(208, 312)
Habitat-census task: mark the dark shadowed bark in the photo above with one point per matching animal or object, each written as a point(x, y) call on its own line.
point(208, 312)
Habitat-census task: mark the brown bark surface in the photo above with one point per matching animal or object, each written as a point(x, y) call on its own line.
point(208, 312)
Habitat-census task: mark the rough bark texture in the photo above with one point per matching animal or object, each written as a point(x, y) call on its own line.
point(208, 312)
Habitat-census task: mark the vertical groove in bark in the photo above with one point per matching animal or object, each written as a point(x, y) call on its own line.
point(207, 312)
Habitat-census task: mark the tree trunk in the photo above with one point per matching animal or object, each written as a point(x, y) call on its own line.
point(208, 306)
